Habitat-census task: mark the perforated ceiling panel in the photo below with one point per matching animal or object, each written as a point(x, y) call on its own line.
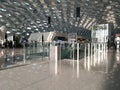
point(27, 16)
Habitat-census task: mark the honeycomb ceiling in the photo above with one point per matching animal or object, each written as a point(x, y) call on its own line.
point(28, 16)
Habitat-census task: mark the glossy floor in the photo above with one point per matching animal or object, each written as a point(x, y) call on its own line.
point(84, 74)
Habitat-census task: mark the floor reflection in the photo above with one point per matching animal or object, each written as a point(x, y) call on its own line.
point(10, 57)
point(103, 62)
point(100, 61)
point(107, 64)
point(113, 79)
point(103, 72)
point(14, 57)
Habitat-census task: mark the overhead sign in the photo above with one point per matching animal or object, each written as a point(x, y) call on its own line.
point(100, 33)
point(72, 37)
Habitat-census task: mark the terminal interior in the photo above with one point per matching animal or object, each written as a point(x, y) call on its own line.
point(59, 45)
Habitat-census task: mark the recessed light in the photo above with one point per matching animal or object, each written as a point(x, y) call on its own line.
point(8, 32)
point(0, 16)
point(27, 34)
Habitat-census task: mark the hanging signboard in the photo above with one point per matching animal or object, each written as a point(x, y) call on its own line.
point(72, 37)
point(100, 33)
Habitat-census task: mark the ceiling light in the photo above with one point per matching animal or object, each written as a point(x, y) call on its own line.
point(34, 26)
point(58, 1)
point(9, 15)
point(30, 8)
point(54, 17)
point(28, 28)
point(46, 11)
point(24, 31)
point(27, 34)
point(16, 3)
point(96, 2)
point(0, 16)
point(18, 33)
point(7, 24)
point(46, 26)
point(13, 29)
point(52, 8)
point(2, 20)
point(26, 3)
point(40, 25)
point(108, 7)
point(38, 21)
point(8, 32)
point(2, 9)
point(36, 29)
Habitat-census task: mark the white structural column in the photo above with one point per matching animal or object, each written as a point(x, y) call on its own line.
point(85, 55)
point(88, 60)
point(118, 45)
point(95, 53)
point(98, 53)
point(24, 54)
point(102, 52)
point(73, 54)
point(56, 59)
point(106, 57)
point(78, 53)
point(91, 53)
